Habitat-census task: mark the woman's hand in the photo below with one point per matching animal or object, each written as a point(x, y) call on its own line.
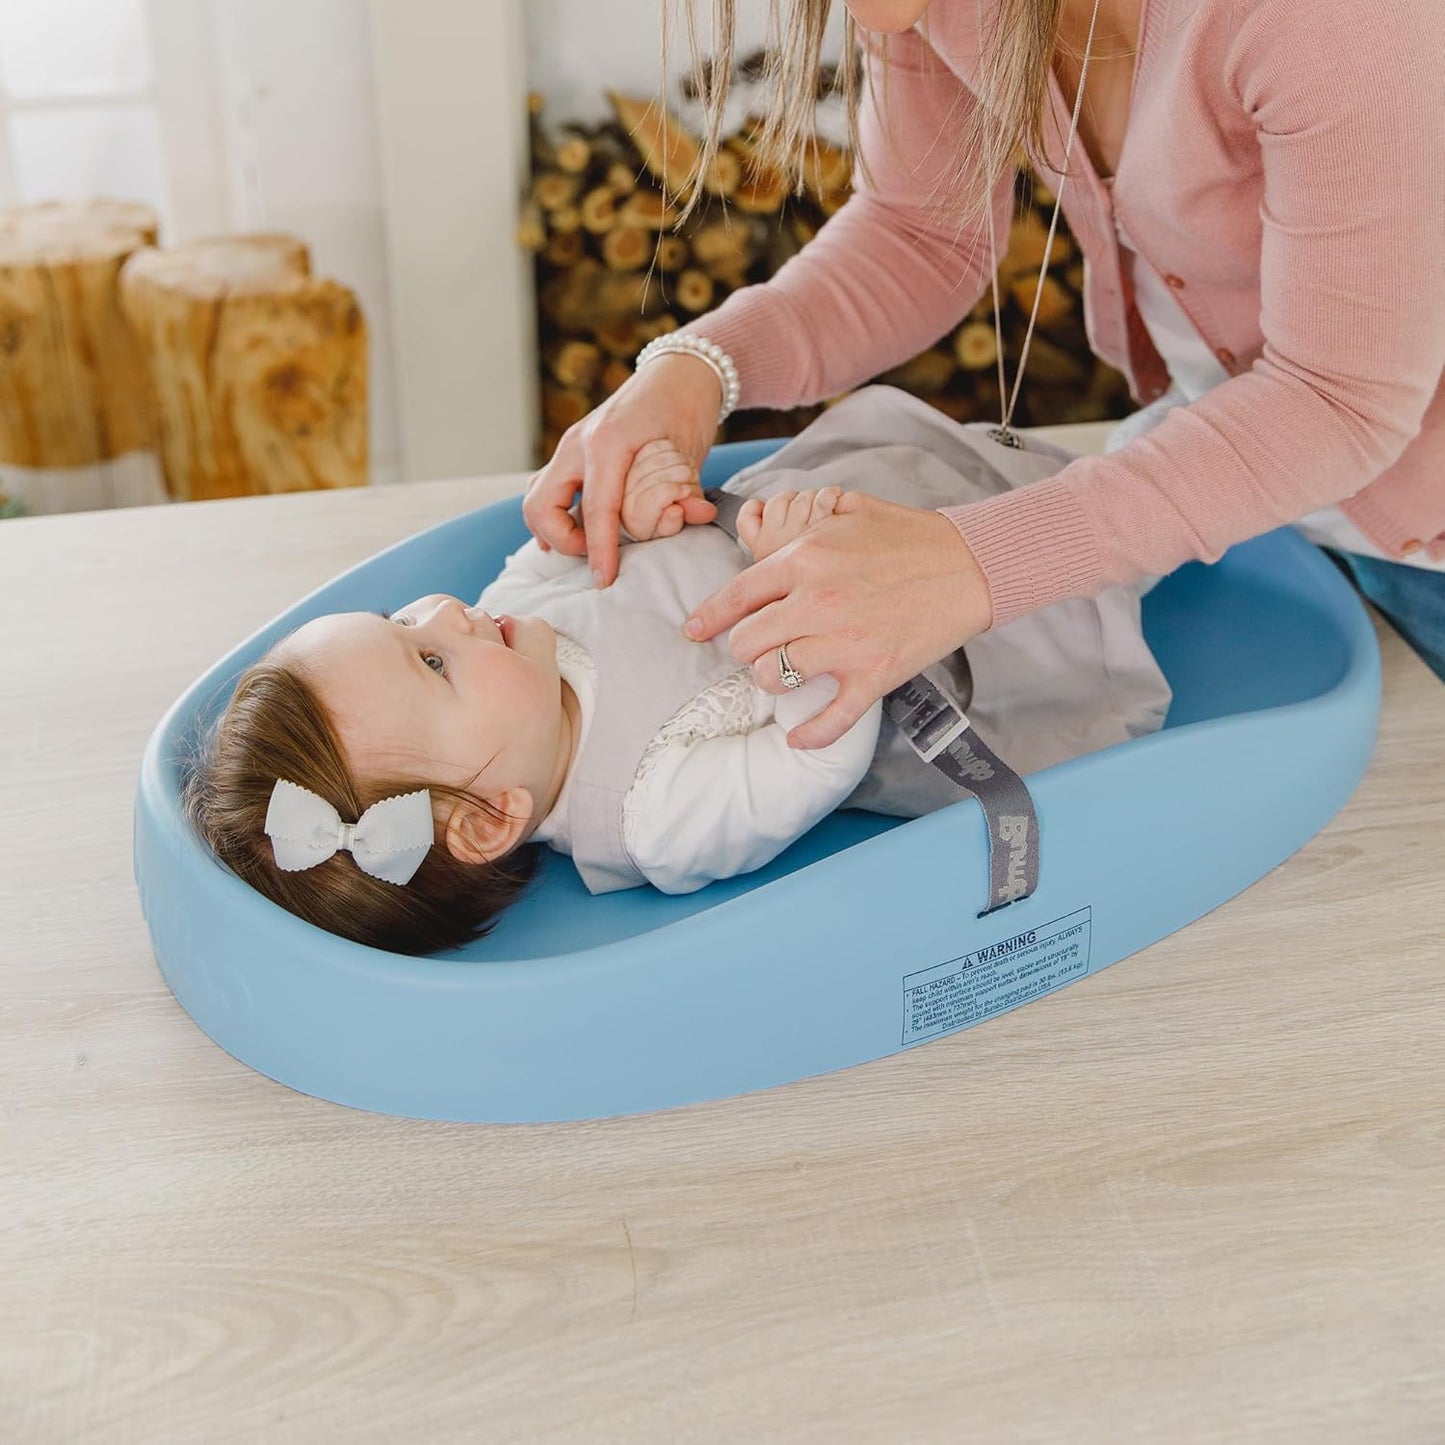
point(873, 595)
point(674, 398)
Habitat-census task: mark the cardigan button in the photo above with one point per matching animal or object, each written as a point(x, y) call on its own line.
point(1226, 356)
point(1173, 282)
point(1413, 545)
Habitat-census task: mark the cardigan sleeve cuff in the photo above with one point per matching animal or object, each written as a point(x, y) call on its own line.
point(1034, 546)
point(760, 330)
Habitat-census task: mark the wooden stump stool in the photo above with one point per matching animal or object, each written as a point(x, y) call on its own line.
point(73, 391)
point(259, 368)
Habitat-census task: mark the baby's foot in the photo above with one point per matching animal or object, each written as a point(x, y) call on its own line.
point(765, 526)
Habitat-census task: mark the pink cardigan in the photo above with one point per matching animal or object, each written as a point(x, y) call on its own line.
point(1284, 171)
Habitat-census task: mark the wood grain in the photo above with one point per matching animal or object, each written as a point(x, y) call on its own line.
point(1200, 1197)
point(73, 390)
point(259, 368)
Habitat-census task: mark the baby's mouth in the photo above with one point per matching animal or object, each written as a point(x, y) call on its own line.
point(502, 623)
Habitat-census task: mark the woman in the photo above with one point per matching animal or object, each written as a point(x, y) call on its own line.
point(1259, 191)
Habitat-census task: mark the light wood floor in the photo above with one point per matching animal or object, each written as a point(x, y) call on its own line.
point(1200, 1197)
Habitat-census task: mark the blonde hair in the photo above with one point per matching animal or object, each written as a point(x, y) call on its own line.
point(275, 726)
point(1014, 74)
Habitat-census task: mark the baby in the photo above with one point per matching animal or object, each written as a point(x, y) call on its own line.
point(552, 713)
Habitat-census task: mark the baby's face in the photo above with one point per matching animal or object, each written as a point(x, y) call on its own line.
point(439, 692)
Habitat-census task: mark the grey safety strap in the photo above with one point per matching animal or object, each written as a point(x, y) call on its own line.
point(939, 732)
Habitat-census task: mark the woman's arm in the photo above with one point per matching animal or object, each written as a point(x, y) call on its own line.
point(885, 277)
point(889, 273)
point(1349, 112)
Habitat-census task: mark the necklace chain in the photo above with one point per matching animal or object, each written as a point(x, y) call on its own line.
point(1008, 400)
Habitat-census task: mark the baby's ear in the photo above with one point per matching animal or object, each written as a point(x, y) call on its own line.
point(473, 835)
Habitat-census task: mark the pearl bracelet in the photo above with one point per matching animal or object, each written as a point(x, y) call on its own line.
point(704, 350)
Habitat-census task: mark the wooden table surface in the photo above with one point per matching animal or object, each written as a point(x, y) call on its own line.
point(1200, 1197)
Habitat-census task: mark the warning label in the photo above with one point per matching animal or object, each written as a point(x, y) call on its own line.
point(999, 976)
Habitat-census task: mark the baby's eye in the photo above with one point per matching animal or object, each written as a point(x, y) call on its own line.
point(435, 661)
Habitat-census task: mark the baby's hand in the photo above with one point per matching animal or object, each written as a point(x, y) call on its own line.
point(764, 526)
point(658, 484)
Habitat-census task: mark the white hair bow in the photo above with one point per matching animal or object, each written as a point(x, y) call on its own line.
point(389, 840)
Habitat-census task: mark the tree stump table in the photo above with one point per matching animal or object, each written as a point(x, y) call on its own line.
point(73, 390)
point(258, 368)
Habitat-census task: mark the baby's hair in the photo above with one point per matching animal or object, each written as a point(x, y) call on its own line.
point(275, 726)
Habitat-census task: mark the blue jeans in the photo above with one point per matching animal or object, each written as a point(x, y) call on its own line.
point(1413, 598)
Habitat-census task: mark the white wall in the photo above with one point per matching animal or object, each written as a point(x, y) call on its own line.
point(578, 48)
point(299, 121)
point(452, 106)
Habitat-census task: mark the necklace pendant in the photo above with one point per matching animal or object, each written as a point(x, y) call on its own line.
point(1006, 438)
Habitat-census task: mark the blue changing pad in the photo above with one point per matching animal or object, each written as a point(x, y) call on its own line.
point(859, 941)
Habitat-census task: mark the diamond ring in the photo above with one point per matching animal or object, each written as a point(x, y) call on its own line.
point(789, 674)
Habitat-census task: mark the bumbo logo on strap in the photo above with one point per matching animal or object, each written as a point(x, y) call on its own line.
point(1013, 828)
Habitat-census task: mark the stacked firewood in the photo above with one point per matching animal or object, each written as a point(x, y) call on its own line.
point(614, 271)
